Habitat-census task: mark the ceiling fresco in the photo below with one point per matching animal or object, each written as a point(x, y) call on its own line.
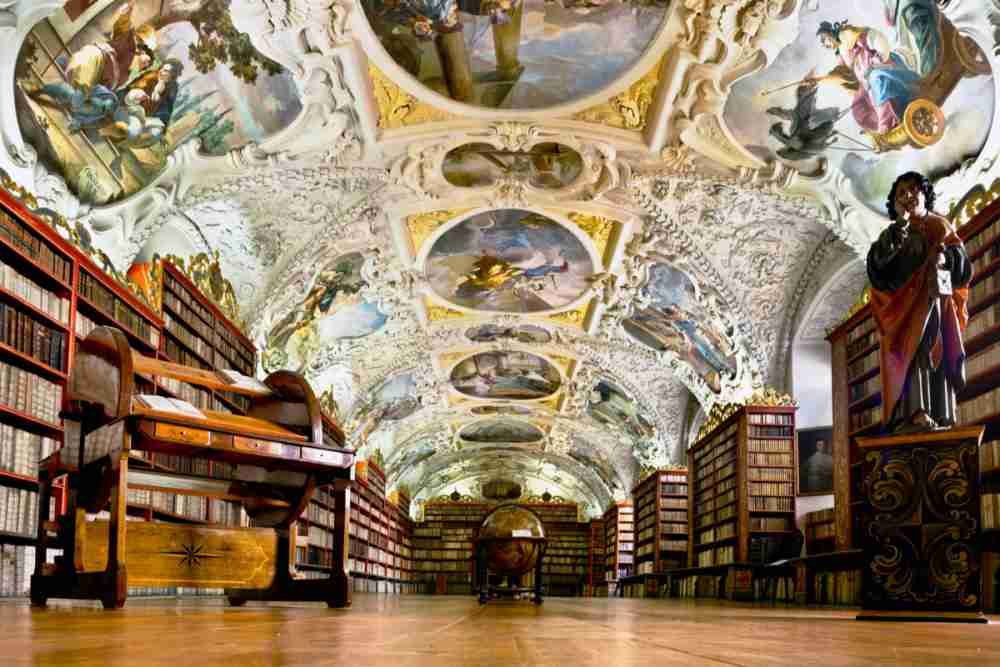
point(106, 91)
point(869, 89)
point(511, 261)
point(506, 375)
point(515, 54)
point(524, 239)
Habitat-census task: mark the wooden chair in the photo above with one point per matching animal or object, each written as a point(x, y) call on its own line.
point(274, 458)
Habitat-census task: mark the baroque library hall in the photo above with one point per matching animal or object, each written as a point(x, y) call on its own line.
point(499, 332)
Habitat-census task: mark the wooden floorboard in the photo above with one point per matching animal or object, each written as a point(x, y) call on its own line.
point(450, 631)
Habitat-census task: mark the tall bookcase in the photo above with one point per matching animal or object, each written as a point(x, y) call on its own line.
point(660, 503)
point(619, 541)
point(744, 478)
point(596, 584)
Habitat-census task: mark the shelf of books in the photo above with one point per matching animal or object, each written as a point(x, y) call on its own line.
point(596, 584)
point(443, 546)
point(743, 496)
point(821, 531)
point(564, 568)
point(381, 536)
point(619, 542)
point(660, 503)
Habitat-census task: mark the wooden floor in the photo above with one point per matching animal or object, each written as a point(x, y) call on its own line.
point(452, 631)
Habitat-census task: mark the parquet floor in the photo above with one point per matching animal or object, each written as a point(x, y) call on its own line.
point(453, 631)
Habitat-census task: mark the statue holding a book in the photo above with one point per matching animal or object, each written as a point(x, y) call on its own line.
point(920, 274)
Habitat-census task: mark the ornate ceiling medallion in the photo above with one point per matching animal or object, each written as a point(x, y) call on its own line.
point(604, 232)
point(511, 375)
point(422, 226)
point(510, 261)
point(515, 54)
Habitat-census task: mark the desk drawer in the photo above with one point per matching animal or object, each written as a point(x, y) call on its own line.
point(184, 434)
point(327, 456)
point(266, 448)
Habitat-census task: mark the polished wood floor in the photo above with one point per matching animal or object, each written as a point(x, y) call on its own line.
point(454, 631)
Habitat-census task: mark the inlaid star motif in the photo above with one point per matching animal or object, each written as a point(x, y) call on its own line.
point(191, 555)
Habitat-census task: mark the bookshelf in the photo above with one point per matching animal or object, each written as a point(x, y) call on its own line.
point(381, 546)
point(596, 585)
point(660, 503)
point(742, 474)
point(821, 531)
point(619, 541)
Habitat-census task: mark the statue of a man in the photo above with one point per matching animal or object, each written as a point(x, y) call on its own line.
point(920, 273)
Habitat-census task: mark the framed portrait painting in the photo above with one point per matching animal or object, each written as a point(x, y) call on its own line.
point(815, 460)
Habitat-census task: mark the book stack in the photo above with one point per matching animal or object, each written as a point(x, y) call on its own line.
point(55, 306)
point(117, 311)
point(27, 335)
point(28, 393)
point(18, 511)
point(21, 451)
point(17, 564)
point(22, 238)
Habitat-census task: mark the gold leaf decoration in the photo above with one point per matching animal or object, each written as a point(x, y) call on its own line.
point(576, 317)
point(422, 225)
point(437, 313)
point(627, 110)
point(397, 108)
point(601, 231)
point(863, 300)
point(973, 202)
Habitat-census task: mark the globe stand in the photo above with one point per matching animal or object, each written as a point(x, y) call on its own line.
point(486, 591)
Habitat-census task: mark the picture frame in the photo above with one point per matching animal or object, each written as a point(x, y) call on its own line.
point(815, 467)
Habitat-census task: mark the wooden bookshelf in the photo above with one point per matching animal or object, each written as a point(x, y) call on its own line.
point(742, 476)
point(821, 531)
point(660, 503)
point(596, 584)
point(619, 541)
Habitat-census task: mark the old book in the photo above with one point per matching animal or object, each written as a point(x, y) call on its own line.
point(174, 405)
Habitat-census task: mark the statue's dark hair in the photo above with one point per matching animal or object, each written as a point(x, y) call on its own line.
point(831, 28)
point(910, 177)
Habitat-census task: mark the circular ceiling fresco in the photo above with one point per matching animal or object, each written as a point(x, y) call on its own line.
point(511, 261)
point(512, 375)
point(501, 431)
point(515, 54)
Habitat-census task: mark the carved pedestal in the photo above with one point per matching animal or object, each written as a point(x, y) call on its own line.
point(919, 520)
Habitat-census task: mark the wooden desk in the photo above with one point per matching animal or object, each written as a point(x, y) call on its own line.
point(277, 459)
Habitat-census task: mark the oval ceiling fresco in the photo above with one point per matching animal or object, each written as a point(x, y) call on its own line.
point(106, 90)
point(546, 166)
point(525, 333)
point(509, 260)
point(870, 90)
point(515, 54)
point(332, 310)
point(510, 375)
point(670, 323)
point(501, 431)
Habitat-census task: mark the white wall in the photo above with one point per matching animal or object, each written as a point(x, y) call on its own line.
point(812, 386)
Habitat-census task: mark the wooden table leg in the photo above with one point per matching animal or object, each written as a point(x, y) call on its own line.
point(340, 578)
point(116, 579)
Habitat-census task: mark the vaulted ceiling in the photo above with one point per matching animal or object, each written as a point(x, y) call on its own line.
point(528, 239)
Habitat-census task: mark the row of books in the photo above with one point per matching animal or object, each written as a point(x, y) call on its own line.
point(984, 290)
point(980, 407)
point(861, 390)
point(720, 532)
point(17, 564)
point(190, 507)
point(982, 361)
point(661, 545)
point(981, 262)
point(175, 328)
point(771, 418)
point(770, 523)
point(768, 445)
point(984, 320)
point(175, 295)
point(84, 325)
point(180, 355)
point(722, 555)
point(188, 465)
point(837, 587)
point(989, 456)
point(200, 318)
point(984, 239)
point(771, 432)
point(771, 474)
point(768, 504)
point(719, 439)
point(768, 460)
point(865, 418)
point(771, 489)
point(18, 511)
point(860, 366)
point(28, 336)
point(860, 338)
point(990, 506)
point(115, 308)
point(21, 451)
point(57, 307)
point(821, 531)
point(316, 536)
point(31, 244)
point(28, 393)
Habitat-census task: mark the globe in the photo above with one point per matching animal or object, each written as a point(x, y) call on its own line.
point(513, 539)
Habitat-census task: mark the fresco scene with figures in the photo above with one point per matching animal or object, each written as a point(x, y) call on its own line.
point(107, 90)
point(509, 261)
point(500, 431)
point(546, 166)
point(515, 54)
point(671, 323)
point(516, 375)
point(333, 309)
point(652, 311)
point(869, 89)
